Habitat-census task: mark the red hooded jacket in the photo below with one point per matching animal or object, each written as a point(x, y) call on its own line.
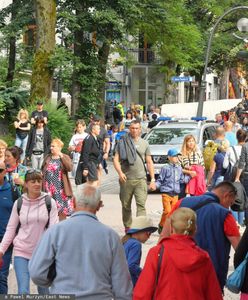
point(186, 273)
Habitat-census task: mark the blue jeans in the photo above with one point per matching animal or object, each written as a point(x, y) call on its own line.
point(4, 271)
point(239, 216)
point(216, 180)
point(23, 277)
point(21, 144)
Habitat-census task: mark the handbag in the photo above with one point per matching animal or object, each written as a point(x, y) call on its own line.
point(80, 178)
point(235, 280)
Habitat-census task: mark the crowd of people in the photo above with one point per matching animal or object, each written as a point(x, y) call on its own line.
point(56, 239)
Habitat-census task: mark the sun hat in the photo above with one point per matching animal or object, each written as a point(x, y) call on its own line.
point(141, 223)
point(173, 152)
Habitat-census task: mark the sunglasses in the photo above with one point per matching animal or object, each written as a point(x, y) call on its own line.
point(1, 170)
point(33, 171)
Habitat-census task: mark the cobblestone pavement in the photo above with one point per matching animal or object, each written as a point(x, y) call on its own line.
point(110, 215)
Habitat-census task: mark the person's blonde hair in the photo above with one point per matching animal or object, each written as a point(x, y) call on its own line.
point(58, 142)
point(3, 144)
point(223, 146)
point(22, 111)
point(183, 221)
point(184, 150)
point(233, 118)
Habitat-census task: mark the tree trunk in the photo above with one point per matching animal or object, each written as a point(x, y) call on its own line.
point(11, 61)
point(224, 84)
point(42, 74)
point(76, 84)
point(12, 49)
point(103, 55)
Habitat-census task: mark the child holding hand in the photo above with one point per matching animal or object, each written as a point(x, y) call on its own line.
point(169, 180)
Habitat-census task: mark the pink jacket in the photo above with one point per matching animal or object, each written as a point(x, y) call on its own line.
point(33, 218)
point(197, 184)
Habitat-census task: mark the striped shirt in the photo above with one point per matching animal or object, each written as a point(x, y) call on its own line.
point(195, 158)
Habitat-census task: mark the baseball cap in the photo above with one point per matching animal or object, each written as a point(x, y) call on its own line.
point(39, 102)
point(173, 152)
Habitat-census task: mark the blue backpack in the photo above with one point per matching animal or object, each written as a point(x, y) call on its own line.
point(235, 280)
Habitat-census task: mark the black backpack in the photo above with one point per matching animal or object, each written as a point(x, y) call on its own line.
point(48, 206)
point(240, 203)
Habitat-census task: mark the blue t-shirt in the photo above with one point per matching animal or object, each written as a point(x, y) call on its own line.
point(231, 137)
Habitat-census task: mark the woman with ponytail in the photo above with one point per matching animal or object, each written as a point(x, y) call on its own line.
point(177, 268)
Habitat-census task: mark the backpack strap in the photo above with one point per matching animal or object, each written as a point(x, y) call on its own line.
point(18, 208)
point(141, 160)
point(49, 207)
point(235, 153)
point(160, 257)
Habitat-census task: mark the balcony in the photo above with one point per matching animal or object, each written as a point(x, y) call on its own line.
point(144, 56)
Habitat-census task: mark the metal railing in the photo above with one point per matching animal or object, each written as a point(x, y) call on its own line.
point(144, 56)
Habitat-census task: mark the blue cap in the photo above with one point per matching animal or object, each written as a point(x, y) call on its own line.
point(173, 152)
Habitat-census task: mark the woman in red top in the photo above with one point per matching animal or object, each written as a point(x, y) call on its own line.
point(186, 271)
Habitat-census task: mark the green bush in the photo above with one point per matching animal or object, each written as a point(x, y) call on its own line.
point(9, 139)
point(58, 123)
point(11, 100)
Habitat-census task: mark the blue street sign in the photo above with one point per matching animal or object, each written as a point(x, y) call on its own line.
point(181, 79)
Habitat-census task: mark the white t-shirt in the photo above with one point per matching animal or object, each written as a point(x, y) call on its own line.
point(230, 156)
point(77, 138)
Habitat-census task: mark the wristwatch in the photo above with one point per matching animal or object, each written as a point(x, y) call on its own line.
point(153, 180)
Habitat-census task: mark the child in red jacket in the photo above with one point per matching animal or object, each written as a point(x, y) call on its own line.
point(186, 271)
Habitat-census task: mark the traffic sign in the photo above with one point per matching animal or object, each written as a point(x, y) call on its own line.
point(181, 79)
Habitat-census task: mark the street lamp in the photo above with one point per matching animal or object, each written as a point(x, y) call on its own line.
point(242, 24)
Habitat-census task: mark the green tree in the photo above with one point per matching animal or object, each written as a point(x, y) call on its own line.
point(224, 46)
point(13, 20)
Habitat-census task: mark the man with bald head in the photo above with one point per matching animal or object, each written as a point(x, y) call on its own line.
point(229, 134)
point(219, 135)
point(6, 204)
point(90, 259)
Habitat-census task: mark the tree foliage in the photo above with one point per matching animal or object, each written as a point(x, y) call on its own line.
point(90, 30)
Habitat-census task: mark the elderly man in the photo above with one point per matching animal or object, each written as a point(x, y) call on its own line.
point(132, 152)
point(103, 136)
point(90, 158)
point(216, 227)
point(88, 257)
